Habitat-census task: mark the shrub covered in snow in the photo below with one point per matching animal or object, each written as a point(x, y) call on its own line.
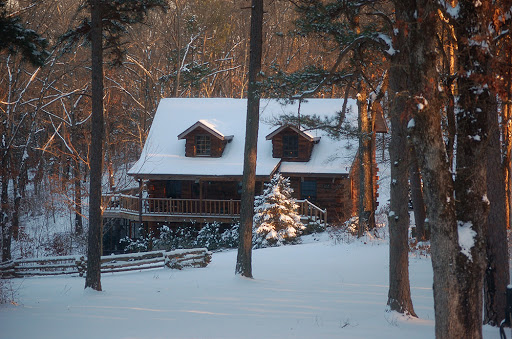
point(8, 294)
point(314, 226)
point(230, 237)
point(276, 220)
point(213, 236)
point(180, 237)
point(141, 244)
point(210, 236)
point(344, 233)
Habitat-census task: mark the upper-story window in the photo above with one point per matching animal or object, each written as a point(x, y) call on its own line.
point(203, 145)
point(290, 146)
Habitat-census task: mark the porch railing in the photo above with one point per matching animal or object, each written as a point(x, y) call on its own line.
point(158, 206)
point(312, 212)
point(205, 207)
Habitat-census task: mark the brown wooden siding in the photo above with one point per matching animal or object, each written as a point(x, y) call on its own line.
point(333, 194)
point(221, 190)
point(217, 145)
point(305, 146)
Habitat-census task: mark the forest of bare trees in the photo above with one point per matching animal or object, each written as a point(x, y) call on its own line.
point(194, 49)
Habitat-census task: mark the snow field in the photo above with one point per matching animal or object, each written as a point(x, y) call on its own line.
point(313, 290)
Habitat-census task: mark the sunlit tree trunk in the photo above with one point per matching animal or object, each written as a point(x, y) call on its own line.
point(428, 141)
point(399, 294)
point(244, 258)
point(365, 163)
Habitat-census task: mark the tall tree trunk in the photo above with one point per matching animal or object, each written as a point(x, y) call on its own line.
point(507, 143)
point(497, 274)
point(365, 161)
point(94, 243)
point(418, 203)
point(456, 209)
point(5, 221)
point(428, 141)
point(79, 228)
point(399, 294)
point(16, 208)
point(475, 101)
point(243, 261)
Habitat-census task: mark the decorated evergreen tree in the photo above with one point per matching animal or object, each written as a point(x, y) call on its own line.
point(276, 220)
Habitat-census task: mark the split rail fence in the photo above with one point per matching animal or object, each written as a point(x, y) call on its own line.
point(178, 259)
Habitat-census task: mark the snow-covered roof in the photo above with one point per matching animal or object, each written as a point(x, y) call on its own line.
point(163, 154)
point(306, 135)
point(208, 127)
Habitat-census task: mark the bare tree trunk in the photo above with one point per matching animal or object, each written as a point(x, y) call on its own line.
point(457, 208)
point(399, 294)
point(16, 209)
point(497, 275)
point(94, 243)
point(418, 203)
point(243, 262)
point(472, 204)
point(79, 228)
point(507, 143)
point(365, 161)
point(5, 221)
point(428, 142)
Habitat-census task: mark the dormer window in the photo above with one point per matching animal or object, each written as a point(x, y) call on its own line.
point(203, 145)
point(204, 140)
point(290, 146)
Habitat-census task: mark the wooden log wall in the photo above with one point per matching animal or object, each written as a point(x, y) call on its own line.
point(217, 145)
point(333, 194)
point(305, 146)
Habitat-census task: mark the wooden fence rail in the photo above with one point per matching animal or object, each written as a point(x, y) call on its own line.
point(178, 259)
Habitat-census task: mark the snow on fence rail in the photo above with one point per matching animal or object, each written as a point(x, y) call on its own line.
point(178, 259)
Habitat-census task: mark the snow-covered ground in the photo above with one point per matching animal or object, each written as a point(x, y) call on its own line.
point(314, 290)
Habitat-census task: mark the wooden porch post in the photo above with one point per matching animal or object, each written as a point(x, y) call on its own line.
point(141, 225)
point(200, 196)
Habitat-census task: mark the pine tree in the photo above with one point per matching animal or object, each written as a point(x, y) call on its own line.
point(276, 220)
point(16, 38)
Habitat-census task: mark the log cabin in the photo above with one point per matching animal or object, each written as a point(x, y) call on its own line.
point(191, 166)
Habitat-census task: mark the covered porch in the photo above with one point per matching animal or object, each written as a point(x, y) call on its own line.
point(185, 210)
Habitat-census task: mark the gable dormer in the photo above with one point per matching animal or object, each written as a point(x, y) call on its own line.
point(291, 144)
point(203, 140)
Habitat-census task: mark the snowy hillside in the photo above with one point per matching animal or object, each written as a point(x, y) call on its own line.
point(314, 290)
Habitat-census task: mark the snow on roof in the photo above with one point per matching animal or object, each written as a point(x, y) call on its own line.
point(305, 134)
point(207, 126)
point(164, 154)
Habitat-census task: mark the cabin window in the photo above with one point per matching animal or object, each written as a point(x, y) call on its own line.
point(203, 145)
point(173, 189)
point(308, 190)
point(290, 146)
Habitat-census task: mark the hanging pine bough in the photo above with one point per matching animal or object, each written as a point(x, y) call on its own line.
point(117, 17)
